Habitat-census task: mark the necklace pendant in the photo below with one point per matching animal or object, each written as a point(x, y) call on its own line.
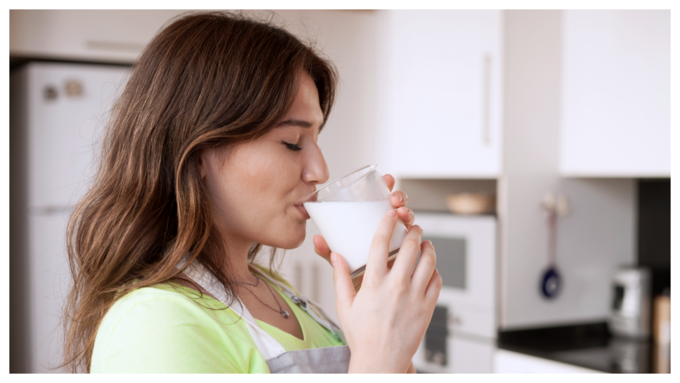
point(285, 314)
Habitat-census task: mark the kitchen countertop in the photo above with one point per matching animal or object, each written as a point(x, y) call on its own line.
point(589, 346)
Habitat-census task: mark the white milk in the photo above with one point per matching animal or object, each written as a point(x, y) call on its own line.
point(349, 227)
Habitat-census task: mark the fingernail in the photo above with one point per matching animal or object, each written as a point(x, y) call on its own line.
point(334, 259)
point(401, 199)
point(392, 213)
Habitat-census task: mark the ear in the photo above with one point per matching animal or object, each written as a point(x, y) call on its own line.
point(202, 163)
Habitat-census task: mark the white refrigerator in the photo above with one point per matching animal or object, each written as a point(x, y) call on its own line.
point(58, 113)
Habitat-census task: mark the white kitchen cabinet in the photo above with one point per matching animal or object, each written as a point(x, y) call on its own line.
point(87, 35)
point(508, 362)
point(441, 79)
point(616, 94)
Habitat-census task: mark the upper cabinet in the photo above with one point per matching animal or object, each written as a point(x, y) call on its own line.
point(616, 94)
point(438, 79)
point(86, 35)
point(441, 77)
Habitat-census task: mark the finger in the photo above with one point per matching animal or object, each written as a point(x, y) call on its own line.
point(408, 254)
point(433, 289)
point(376, 265)
point(406, 215)
point(321, 248)
point(398, 199)
point(344, 289)
point(389, 180)
point(426, 266)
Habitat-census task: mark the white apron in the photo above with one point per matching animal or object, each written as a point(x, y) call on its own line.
point(333, 359)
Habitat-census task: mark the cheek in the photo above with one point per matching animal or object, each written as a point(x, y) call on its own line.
point(253, 194)
point(265, 176)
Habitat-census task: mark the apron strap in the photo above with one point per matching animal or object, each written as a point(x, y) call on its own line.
point(266, 344)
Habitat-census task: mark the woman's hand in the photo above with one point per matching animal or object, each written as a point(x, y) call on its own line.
point(398, 199)
point(385, 321)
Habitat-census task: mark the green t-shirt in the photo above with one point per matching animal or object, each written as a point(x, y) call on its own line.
point(168, 328)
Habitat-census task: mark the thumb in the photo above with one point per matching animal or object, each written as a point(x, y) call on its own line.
point(344, 289)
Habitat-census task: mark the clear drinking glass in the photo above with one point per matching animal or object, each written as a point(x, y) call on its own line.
point(348, 211)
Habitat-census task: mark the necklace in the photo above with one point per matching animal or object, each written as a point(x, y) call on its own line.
point(250, 284)
point(281, 311)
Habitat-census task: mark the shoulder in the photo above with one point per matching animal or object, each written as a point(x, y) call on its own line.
point(160, 305)
point(166, 329)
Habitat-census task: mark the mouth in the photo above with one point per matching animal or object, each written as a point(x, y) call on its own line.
point(302, 211)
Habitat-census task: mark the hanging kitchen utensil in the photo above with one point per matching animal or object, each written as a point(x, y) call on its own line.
point(551, 281)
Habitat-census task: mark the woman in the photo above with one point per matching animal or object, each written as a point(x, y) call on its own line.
point(210, 151)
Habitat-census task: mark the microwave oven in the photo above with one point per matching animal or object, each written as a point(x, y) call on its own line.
point(461, 337)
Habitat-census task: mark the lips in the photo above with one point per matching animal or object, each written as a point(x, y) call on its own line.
point(302, 211)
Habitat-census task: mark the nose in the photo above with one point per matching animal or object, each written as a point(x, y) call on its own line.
point(316, 170)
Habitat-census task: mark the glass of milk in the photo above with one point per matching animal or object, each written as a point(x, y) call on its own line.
point(348, 211)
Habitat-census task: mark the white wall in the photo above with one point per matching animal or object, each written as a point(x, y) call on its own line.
point(596, 237)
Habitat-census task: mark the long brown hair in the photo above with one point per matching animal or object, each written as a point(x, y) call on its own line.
point(207, 80)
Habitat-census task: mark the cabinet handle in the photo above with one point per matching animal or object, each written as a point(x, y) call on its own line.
point(486, 95)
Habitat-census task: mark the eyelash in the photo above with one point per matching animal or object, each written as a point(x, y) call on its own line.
point(292, 147)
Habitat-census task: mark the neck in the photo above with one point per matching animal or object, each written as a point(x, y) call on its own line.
point(237, 253)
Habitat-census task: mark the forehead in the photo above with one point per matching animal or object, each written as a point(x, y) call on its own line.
point(306, 105)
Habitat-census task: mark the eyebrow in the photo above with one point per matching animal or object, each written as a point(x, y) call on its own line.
point(293, 122)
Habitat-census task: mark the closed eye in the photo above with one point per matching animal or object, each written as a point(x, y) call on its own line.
point(292, 147)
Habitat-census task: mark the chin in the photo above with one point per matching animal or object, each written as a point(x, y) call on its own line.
point(291, 239)
point(298, 242)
